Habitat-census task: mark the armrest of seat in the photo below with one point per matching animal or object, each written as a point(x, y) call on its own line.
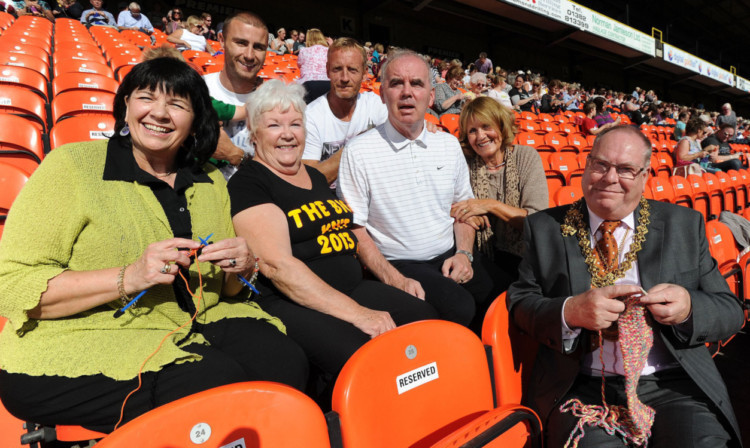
point(513, 425)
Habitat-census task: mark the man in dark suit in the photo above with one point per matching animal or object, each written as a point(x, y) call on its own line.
point(569, 291)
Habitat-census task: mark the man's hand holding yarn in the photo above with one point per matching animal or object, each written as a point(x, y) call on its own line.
point(669, 304)
point(596, 309)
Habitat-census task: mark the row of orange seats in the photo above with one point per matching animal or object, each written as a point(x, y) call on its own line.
point(468, 389)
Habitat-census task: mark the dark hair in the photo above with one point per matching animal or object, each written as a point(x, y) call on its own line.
point(694, 125)
point(175, 77)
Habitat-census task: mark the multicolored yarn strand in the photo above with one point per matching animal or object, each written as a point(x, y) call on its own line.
point(633, 422)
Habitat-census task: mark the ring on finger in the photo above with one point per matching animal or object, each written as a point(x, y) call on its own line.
point(165, 268)
point(232, 262)
point(466, 210)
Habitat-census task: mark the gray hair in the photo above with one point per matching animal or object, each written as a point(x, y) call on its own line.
point(134, 6)
point(632, 130)
point(402, 53)
point(272, 94)
point(478, 76)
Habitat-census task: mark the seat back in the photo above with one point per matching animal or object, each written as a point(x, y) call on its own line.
point(74, 103)
point(661, 189)
point(24, 77)
point(412, 386)
point(25, 60)
point(450, 122)
point(12, 180)
point(83, 81)
point(568, 194)
point(255, 414)
point(721, 243)
point(513, 352)
point(683, 193)
point(20, 143)
point(81, 129)
point(23, 102)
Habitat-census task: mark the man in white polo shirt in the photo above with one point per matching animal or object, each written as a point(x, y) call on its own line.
point(400, 181)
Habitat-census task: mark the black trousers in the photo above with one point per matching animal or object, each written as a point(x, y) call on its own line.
point(328, 341)
point(240, 350)
point(464, 303)
point(684, 418)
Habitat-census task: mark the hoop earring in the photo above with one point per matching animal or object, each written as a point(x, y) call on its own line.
point(124, 131)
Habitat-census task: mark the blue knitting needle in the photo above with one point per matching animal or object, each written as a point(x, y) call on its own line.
point(122, 310)
point(242, 279)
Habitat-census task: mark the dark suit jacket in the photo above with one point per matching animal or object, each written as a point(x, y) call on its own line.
point(675, 251)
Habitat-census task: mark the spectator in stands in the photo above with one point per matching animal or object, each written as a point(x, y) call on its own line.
point(207, 30)
point(727, 116)
point(679, 127)
point(449, 99)
point(723, 159)
point(125, 214)
point(68, 8)
point(589, 125)
point(552, 101)
point(477, 85)
point(38, 8)
point(278, 45)
point(688, 149)
point(293, 35)
point(97, 15)
point(498, 92)
point(299, 43)
point(312, 65)
point(570, 98)
point(245, 39)
point(637, 93)
point(508, 182)
point(654, 367)
point(343, 112)
point(400, 200)
point(309, 273)
point(189, 38)
point(602, 116)
point(132, 19)
point(483, 64)
point(522, 100)
point(174, 21)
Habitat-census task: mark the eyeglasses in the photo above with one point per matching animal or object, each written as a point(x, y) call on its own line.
point(602, 167)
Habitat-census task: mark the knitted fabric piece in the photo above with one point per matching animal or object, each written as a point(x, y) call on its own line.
point(633, 422)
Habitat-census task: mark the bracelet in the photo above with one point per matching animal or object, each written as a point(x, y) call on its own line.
point(121, 286)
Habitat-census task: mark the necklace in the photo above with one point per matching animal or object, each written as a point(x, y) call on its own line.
point(574, 224)
point(162, 174)
point(494, 167)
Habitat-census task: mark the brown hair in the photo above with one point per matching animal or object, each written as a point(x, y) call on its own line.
point(246, 17)
point(454, 72)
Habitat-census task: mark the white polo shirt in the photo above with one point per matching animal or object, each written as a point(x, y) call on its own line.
point(402, 190)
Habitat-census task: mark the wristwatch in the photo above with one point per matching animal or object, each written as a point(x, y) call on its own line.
point(467, 253)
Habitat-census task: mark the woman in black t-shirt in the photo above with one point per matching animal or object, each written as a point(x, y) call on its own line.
point(303, 235)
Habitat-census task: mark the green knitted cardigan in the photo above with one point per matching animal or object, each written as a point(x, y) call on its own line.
point(67, 217)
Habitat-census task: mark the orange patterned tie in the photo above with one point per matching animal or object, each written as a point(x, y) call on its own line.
point(606, 257)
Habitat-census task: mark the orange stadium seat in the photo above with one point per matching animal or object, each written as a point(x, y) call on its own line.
point(700, 196)
point(578, 141)
point(66, 54)
point(548, 126)
point(713, 187)
point(24, 77)
point(24, 103)
point(740, 180)
point(73, 66)
point(529, 139)
point(450, 122)
point(21, 144)
point(80, 129)
point(567, 128)
point(73, 103)
point(28, 49)
point(137, 38)
point(664, 165)
point(724, 249)
point(123, 72)
point(513, 352)
point(83, 82)
point(528, 126)
point(683, 193)
point(11, 39)
point(526, 115)
point(442, 396)
point(25, 60)
point(124, 60)
point(12, 180)
point(555, 141)
point(568, 194)
point(192, 54)
point(730, 193)
point(6, 20)
point(251, 414)
point(661, 189)
point(561, 165)
point(76, 41)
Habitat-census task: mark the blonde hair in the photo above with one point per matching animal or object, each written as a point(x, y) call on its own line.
point(487, 111)
point(315, 37)
point(163, 51)
point(193, 21)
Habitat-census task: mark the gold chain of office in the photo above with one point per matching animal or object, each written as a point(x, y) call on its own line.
point(574, 224)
